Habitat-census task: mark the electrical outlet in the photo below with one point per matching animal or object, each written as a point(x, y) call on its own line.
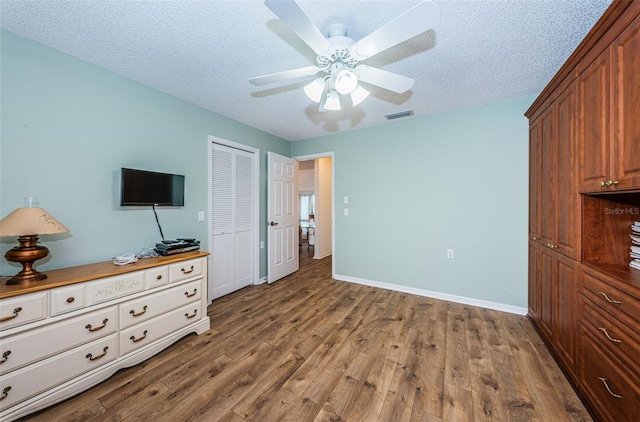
point(200, 215)
point(262, 244)
point(450, 253)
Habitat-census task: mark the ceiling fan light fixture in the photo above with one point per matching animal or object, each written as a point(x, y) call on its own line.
point(346, 82)
point(315, 89)
point(359, 95)
point(332, 101)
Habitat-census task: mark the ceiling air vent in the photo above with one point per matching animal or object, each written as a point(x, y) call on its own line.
point(400, 115)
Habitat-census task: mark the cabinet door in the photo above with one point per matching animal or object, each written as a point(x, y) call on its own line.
point(534, 181)
point(534, 285)
point(547, 292)
point(564, 325)
point(626, 107)
point(567, 236)
point(593, 124)
point(548, 186)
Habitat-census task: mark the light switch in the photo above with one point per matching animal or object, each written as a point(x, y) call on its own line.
point(200, 215)
point(346, 199)
point(346, 212)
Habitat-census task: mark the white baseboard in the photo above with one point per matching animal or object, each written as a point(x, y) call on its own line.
point(436, 295)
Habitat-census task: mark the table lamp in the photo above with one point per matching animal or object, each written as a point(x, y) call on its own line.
point(27, 223)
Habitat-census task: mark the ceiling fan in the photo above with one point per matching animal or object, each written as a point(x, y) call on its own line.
point(338, 56)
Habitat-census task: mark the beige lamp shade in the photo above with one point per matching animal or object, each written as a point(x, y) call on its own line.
point(28, 221)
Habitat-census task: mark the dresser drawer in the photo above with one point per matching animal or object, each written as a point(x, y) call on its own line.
point(614, 392)
point(185, 270)
point(149, 331)
point(614, 334)
point(66, 299)
point(22, 310)
point(115, 287)
point(147, 307)
point(156, 277)
point(31, 380)
point(22, 349)
point(608, 297)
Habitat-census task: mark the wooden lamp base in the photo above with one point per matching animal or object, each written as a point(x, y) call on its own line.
point(27, 253)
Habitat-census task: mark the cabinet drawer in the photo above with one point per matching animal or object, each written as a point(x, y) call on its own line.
point(22, 310)
point(65, 299)
point(147, 307)
point(608, 297)
point(115, 287)
point(149, 331)
point(158, 276)
point(615, 394)
point(184, 270)
point(614, 334)
point(31, 380)
point(22, 349)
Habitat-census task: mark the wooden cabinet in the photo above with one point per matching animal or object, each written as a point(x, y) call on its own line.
point(82, 324)
point(584, 299)
point(609, 108)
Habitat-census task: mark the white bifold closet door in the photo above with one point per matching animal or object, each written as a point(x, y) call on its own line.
point(232, 220)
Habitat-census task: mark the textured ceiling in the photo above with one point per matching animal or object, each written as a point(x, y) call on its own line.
point(205, 51)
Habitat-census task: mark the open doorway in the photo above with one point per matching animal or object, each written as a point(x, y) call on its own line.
point(316, 216)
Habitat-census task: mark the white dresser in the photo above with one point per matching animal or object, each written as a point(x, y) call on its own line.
point(79, 326)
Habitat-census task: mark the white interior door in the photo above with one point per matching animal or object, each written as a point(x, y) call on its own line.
point(232, 234)
point(282, 230)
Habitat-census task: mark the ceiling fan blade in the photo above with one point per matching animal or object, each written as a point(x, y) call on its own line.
point(414, 21)
point(285, 76)
point(290, 13)
point(383, 79)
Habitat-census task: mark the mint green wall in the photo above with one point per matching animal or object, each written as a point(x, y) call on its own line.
point(67, 127)
point(417, 187)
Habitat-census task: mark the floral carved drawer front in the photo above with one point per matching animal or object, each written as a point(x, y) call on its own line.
point(115, 287)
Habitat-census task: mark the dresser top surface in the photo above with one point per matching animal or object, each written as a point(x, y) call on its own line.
point(82, 273)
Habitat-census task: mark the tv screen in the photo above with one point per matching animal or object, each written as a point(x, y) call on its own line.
point(141, 187)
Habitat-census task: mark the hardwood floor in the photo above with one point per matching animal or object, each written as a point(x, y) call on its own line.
point(310, 348)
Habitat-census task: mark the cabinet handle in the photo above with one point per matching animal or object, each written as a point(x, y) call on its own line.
point(606, 333)
point(5, 392)
point(136, 314)
point(92, 358)
point(604, 381)
point(71, 299)
point(5, 356)
point(159, 277)
point(604, 295)
point(16, 311)
point(189, 271)
point(92, 329)
point(603, 183)
point(135, 340)
point(195, 312)
point(187, 294)
point(534, 238)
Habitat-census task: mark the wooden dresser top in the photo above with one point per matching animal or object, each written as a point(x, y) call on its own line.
point(82, 273)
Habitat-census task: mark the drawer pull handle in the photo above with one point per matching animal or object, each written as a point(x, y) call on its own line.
point(5, 392)
point(604, 381)
point(92, 329)
point(604, 295)
point(159, 277)
point(606, 333)
point(16, 311)
point(5, 356)
point(135, 340)
point(195, 312)
point(135, 314)
point(187, 294)
point(189, 271)
point(71, 299)
point(92, 358)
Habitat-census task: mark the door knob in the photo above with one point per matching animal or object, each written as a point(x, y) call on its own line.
point(273, 223)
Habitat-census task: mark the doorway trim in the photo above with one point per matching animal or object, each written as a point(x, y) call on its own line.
point(332, 155)
point(256, 202)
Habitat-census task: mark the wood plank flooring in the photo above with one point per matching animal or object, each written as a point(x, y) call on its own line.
point(310, 348)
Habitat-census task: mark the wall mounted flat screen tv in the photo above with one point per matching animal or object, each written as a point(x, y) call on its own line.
point(142, 187)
